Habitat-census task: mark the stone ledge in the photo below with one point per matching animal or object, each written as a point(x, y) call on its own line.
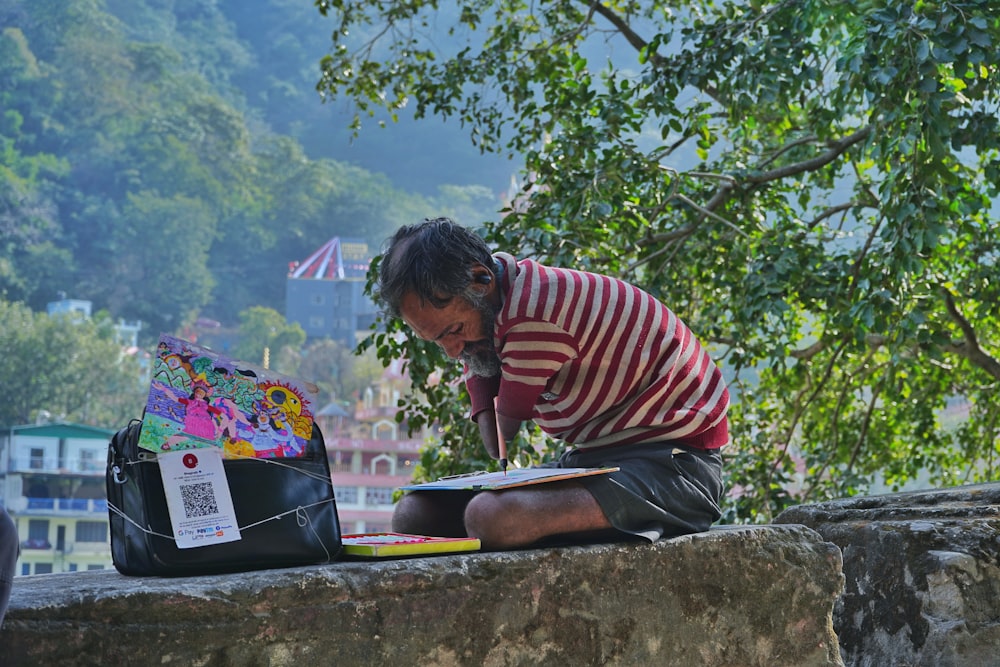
point(923, 575)
point(743, 596)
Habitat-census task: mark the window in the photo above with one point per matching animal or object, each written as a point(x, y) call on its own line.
point(37, 460)
point(346, 495)
point(43, 568)
point(316, 299)
point(383, 465)
point(378, 496)
point(316, 322)
point(95, 567)
point(91, 531)
point(38, 529)
point(385, 431)
point(89, 460)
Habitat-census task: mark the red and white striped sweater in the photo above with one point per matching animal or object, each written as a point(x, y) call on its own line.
point(595, 361)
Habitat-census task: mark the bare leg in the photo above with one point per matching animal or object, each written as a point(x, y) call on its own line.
point(437, 513)
point(518, 517)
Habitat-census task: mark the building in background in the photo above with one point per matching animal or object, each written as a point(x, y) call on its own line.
point(127, 332)
point(371, 455)
point(79, 308)
point(325, 293)
point(52, 484)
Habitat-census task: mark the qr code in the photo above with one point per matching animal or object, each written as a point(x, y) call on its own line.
point(199, 500)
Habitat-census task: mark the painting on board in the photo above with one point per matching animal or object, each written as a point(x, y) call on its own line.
point(200, 398)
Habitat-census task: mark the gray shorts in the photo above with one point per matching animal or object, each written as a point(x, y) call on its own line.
point(662, 489)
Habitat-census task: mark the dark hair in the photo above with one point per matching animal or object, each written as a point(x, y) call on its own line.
point(432, 259)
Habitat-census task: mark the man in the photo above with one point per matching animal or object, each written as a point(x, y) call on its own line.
point(593, 361)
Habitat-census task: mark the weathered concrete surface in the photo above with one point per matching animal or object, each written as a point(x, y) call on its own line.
point(741, 596)
point(923, 575)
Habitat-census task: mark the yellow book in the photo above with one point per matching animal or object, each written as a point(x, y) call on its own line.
point(382, 545)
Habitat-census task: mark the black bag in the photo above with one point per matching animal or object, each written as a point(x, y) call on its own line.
point(285, 510)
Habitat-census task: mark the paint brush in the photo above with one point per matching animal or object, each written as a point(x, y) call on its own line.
point(501, 443)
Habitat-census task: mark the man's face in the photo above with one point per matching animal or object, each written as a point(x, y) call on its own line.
point(463, 330)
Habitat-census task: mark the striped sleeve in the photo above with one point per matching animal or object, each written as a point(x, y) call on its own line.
point(533, 352)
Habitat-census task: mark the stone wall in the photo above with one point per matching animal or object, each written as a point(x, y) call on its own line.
point(741, 596)
point(923, 575)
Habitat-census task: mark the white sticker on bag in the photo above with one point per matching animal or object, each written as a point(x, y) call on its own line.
point(198, 498)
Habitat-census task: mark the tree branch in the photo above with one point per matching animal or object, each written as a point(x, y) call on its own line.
point(808, 352)
point(969, 347)
point(633, 38)
point(832, 211)
point(836, 148)
point(787, 147)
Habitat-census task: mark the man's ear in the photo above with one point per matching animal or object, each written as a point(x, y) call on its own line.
point(481, 275)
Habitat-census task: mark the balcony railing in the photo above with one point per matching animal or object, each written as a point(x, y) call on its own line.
point(88, 548)
point(49, 465)
point(377, 412)
point(368, 444)
point(36, 544)
point(67, 505)
point(78, 548)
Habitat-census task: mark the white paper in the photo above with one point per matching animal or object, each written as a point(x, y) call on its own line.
point(198, 498)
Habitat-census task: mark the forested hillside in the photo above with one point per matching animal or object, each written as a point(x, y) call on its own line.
point(167, 160)
point(285, 39)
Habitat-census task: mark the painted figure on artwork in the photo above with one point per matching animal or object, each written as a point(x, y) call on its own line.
point(199, 416)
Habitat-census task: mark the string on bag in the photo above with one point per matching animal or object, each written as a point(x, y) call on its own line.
point(303, 520)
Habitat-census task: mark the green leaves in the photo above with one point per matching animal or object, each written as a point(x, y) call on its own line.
point(265, 331)
point(799, 181)
point(73, 369)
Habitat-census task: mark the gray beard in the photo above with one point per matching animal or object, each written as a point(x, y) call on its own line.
point(482, 359)
point(484, 362)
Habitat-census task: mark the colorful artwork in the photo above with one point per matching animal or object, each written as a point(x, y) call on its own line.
point(199, 398)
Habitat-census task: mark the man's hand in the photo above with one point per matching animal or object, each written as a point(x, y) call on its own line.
point(488, 432)
point(487, 421)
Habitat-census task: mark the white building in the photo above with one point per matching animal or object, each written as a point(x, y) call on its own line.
point(52, 484)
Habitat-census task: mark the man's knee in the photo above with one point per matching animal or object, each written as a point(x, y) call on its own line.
point(406, 516)
point(496, 524)
point(437, 514)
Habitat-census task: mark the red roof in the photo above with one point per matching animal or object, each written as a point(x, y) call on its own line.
point(337, 259)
